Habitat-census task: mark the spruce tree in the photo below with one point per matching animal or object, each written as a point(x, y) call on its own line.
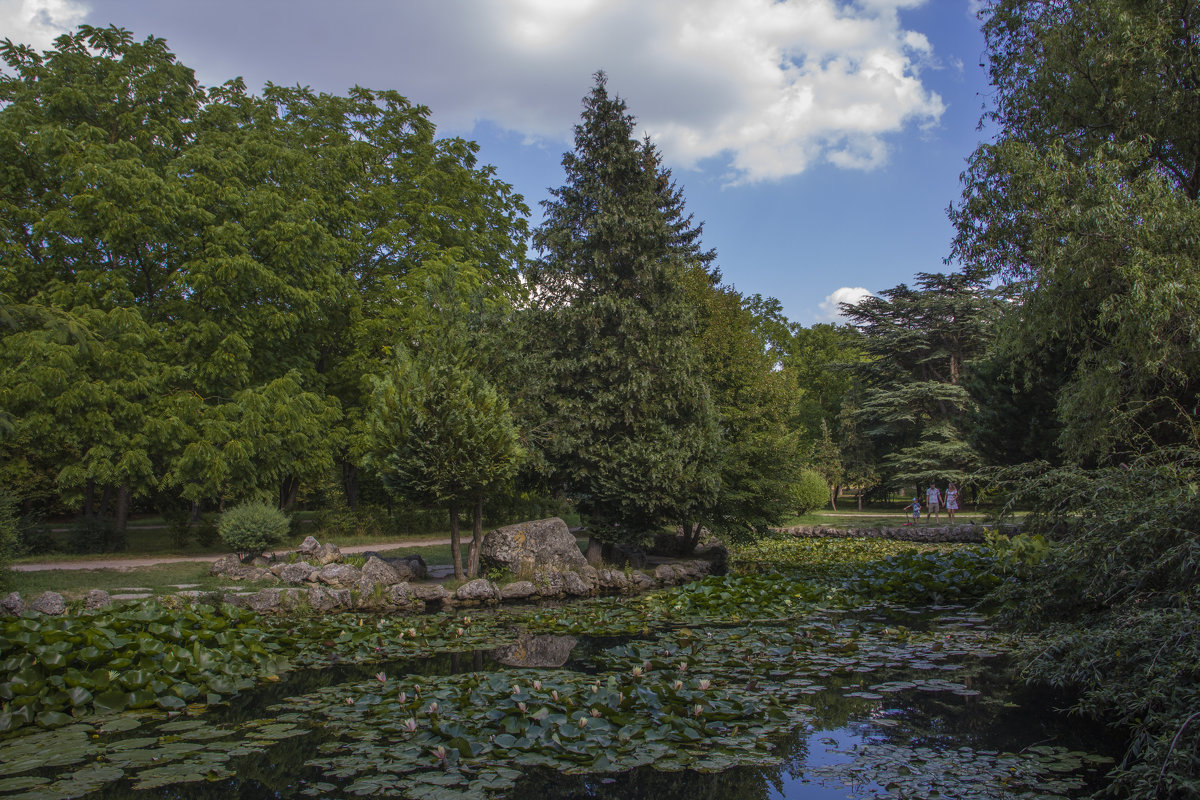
point(630, 432)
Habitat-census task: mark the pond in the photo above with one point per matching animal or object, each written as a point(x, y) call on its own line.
point(734, 688)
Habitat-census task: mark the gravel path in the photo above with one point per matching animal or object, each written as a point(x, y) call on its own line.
point(149, 561)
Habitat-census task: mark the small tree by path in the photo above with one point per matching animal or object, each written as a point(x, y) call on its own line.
point(441, 434)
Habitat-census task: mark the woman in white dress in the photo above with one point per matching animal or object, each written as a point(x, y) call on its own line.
point(951, 500)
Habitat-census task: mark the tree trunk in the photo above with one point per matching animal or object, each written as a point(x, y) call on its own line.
point(89, 497)
point(350, 484)
point(288, 491)
point(197, 510)
point(476, 540)
point(595, 552)
point(105, 500)
point(121, 513)
point(833, 493)
point(455, 542)
point(691, 537)
point(860, 494)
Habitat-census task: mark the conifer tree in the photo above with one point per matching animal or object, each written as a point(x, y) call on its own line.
point(630, 429)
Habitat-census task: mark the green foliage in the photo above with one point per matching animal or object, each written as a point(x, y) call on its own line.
point(1117, 596)
point(809, 492)
point(10, 540)
point(92, 533)
point(1084, 206)
point(251, 528)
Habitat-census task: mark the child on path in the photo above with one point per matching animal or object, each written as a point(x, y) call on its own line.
point(915, 508)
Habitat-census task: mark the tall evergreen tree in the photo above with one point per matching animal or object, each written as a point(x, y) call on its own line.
point(630, 432)
point(914, 405)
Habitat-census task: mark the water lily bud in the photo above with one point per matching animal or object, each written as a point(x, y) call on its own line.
point(410, 724)
point(403, 697)
point(537, 686)
point(381, 677)
point(583, 722)
point(521, 705)
point(459, 631)
point(704, 684)
point(554, 694)
point(433, 708)
point(683, 666)
point(678, 685)
point(439, 752)
point(637, 672)
point(516, 689)
point(697, 710)
point(595, 712)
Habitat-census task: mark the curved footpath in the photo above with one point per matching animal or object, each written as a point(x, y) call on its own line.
point(150, 561)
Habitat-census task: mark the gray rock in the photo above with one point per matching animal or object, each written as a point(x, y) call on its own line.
point(340, 576)
point(590, 575)
point(12, 604)
point(261, 561)
point(264, 600)
point(574, 585)
point(327, 554)
point(49, 603)
point(536, 651)
point(224, 564)
point(290, 599)
point(665, 574)
point(97, 599)
point(549, 583)
point(320, 599)
point(401, 596)
point(478, 591)
point(642, 581)
point(309, 546)
point(416, 565)
point(297, 573)
point(376, 571)
point(520, 590)
point(529, 545)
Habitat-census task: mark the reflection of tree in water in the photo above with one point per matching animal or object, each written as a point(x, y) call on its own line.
point(647, 783)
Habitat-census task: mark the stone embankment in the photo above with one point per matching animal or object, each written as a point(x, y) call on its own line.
point(906, 533)
point(541, 560)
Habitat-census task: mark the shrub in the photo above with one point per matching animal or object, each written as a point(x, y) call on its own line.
point(809, 492)
point(252, 527)
point(9, 541)
point(93, 533)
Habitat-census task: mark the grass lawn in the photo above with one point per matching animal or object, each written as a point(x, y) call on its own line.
point(883, 517)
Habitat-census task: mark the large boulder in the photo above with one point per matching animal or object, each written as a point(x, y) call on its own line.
point(526, 546)
point(97, 599)
point(12, 604)
point(49, 603)
point(340, 576)
point(378, 571)
point(477, 592)
point(300, 572)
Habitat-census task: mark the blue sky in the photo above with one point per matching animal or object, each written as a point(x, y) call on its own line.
point(820, 142)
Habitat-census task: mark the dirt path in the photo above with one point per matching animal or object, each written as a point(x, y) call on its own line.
point(150, 561)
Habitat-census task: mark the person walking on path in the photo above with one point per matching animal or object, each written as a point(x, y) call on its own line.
point(933, 501)
point(951, 501)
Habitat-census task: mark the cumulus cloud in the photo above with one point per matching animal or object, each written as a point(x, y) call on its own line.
point(38, 22)
point(768, 88)
point(831, 306)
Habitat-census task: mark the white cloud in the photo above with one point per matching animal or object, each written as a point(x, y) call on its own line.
point(767, 87)
point(38, 22)
point(831, 310)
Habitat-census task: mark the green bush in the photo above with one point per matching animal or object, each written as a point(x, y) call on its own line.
point(252, 527)
point(809, 492)
point(9, 540)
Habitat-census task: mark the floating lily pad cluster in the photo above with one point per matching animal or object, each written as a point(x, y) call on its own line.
point(87, 757)
point(55, 669)
point(965, 573)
